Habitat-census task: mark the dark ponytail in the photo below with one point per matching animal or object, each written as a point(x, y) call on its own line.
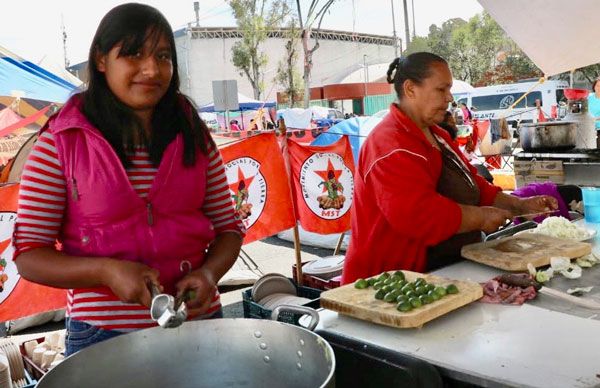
point(415, 67)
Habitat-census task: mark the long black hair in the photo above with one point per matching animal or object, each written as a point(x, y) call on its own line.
point(415, 67)
point(594, 83)
point(130, 25)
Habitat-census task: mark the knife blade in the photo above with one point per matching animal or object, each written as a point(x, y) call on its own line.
point(535, 214)
point(514, 280)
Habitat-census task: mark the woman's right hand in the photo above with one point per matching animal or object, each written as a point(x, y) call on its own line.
point(492, 218)
point(129, 280)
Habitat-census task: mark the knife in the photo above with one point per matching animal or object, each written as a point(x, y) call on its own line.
point(536, 214)
point(516, 280)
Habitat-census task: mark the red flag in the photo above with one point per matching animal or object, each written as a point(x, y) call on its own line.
point(258, 183)
point(18, 297)
point(322, 185)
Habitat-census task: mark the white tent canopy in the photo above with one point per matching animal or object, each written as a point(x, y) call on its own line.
point(461, 87)
point(557, 35)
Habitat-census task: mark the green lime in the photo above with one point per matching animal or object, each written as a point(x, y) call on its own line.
point(387, 288)
point(372, 281)
point(380, 294)
point(383, 276)
point(415, 302)
point(389, 297)
point(421, 290)
point(420, 282)
point(378, 285)
point(399, 285)
point(401, 298)
point(406, 289)
point(441, 291)
point(430, 287)
point(388, 280)
point(404, 307)
point(361, 284)
point(451, 289)
point(411, 294)
point(434, 295)
point(425, 299)
point(400, 274)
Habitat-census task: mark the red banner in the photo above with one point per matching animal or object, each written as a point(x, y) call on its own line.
point(18, 297)
point(322, 185)
point(259, 186)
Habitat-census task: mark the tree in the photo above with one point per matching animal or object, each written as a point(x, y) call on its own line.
point(590, 73)
point(254, 19)
point(417, 44)
point(287, 74)
point(440, 39)
point(315, 14)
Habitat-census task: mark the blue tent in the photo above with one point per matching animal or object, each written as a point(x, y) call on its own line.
point(245, 103)
point(357, 129)
point(19, 77)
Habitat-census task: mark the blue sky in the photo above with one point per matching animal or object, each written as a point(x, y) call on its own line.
point(32, 29)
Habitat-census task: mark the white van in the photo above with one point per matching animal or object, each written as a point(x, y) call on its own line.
point(492, 102)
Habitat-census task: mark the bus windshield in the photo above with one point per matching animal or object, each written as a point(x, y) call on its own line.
point(504, 101)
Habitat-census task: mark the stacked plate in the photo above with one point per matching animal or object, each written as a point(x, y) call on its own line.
point(5, 380)
point(325, 267)
point(15, 361)
point(274, 290)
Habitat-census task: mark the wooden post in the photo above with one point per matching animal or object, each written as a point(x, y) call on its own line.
point(283, 131)
point(298, 255)
point(338, 246)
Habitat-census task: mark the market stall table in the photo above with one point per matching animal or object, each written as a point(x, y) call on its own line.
point(493, 345)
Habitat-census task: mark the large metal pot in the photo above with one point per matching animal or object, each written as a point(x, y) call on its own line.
point(550, 136)
point(214, 353)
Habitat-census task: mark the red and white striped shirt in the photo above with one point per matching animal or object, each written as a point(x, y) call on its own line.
point(42, 199)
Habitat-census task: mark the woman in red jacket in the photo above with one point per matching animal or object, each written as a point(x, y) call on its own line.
point(417, 201)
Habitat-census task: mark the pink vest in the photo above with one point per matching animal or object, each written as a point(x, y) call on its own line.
point(105, 217)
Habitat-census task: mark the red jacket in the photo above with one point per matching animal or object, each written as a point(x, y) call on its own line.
point(396, 212)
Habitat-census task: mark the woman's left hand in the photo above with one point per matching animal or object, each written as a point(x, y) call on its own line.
point(203, 287)
point(536, 204)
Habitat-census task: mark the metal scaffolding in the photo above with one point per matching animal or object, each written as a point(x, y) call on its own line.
point(234, 33)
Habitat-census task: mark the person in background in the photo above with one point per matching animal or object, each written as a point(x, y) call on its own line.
point(541, 116)
point(594, 107)
point(467, 115)
point(253, 125)
point(449, 124)
point(128, 179)
point(233, 126)
point(417, 201)
point(457, 113)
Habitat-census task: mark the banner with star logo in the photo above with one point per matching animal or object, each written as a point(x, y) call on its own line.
point(259, 186)
point(18, 297)
point(322, 185)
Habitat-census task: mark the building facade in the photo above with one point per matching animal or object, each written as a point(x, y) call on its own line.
point(205, 55)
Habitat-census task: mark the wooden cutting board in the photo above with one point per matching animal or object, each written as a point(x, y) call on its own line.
point(362, 304)
point(513, 253)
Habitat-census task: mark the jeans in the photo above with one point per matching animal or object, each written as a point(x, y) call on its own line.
point(81, 335)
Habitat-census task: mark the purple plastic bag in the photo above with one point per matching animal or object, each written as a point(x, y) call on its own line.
point(545, 188)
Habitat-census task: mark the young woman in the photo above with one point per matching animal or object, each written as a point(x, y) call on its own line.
point(416, 199)
point(127, 178)
point(594, 107)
